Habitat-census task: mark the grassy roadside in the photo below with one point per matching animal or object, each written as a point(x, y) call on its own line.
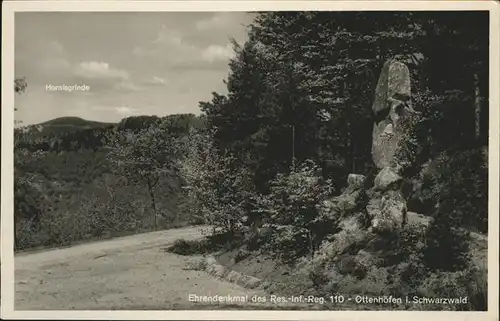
point(285, 280)
point(110, 236)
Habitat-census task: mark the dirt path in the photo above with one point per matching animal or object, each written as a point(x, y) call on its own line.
point(126, 273)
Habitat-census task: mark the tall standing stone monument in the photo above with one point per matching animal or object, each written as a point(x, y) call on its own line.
point(391, 104)
point(385, 204)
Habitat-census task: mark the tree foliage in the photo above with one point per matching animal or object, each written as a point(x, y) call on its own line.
point(220, 191)
point(292, 212)
point(144, 156)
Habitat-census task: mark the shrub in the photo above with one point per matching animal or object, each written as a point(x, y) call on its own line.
point(293, 214)
point(374, 283)
point(183, 247)
point(418, 133)
point(208, 244)
point(406, 245)
point(443, 285)
point(470, 282)
point(477, 290)
point(447, 244)
point(444, 187)
point(219, 190)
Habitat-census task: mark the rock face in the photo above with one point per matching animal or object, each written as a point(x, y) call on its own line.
point(391, 104)
point(346, 202)
point(390, 214)
point(387, 178)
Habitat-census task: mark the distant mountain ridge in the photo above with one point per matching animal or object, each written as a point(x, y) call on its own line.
point(62, 125)
point(73, 133)
point(74, 121)
point(69, 124)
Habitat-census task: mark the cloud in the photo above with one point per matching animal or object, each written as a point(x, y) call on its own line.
point(156, 81)
point(99, 70)
point(44, 59)
point(169, 49)
point(55, 48)
point(219, 20)
point(54, 58)
point(124, 110)
point(215, 52)
point(101, 77)
point(127, 86)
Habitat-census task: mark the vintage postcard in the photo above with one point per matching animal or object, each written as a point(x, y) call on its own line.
point(250, 160)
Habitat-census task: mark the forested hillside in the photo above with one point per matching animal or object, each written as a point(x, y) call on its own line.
point(68, 188)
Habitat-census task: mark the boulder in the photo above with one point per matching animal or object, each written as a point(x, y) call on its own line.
point(390, 214)
point(418, 219)
point(374, 207)
point(355, 181)
point(351, 223)
point(345, 240)
point(348, 201)
point(388, 178)
point(366, 260)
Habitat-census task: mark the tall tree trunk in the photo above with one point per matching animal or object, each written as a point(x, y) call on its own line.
point(293, 146)
point(349, 140)
point(15, 235)
point(477, 107)
point(153, 200)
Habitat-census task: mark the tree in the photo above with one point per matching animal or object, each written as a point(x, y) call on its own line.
point(144, 156)
point(293, 212)
point(20, 85)
point(219, 189)
point(25, 196)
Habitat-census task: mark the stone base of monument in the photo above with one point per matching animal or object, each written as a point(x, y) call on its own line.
point(349, 201)
point(383, 203)
point(386, 207)
point(367, 212)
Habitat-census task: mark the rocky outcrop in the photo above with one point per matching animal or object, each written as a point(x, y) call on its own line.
point(382, 200)
point(371, 207)
point(388, 178)
point(349, 200)
point(389, 213)
point(386, 207)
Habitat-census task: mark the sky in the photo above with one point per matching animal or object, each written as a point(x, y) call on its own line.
point(144, 63)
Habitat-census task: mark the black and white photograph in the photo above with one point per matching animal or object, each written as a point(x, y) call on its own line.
point(272, 160)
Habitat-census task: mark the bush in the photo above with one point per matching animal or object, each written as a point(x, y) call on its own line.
point(293, 215)
point(444, 187)
point(220, 191)
point(209, 244)
point(375, 283)
point(183, 247)
point(470, 283)
point(477, 290)
point(447, 244)
point(406, 245)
